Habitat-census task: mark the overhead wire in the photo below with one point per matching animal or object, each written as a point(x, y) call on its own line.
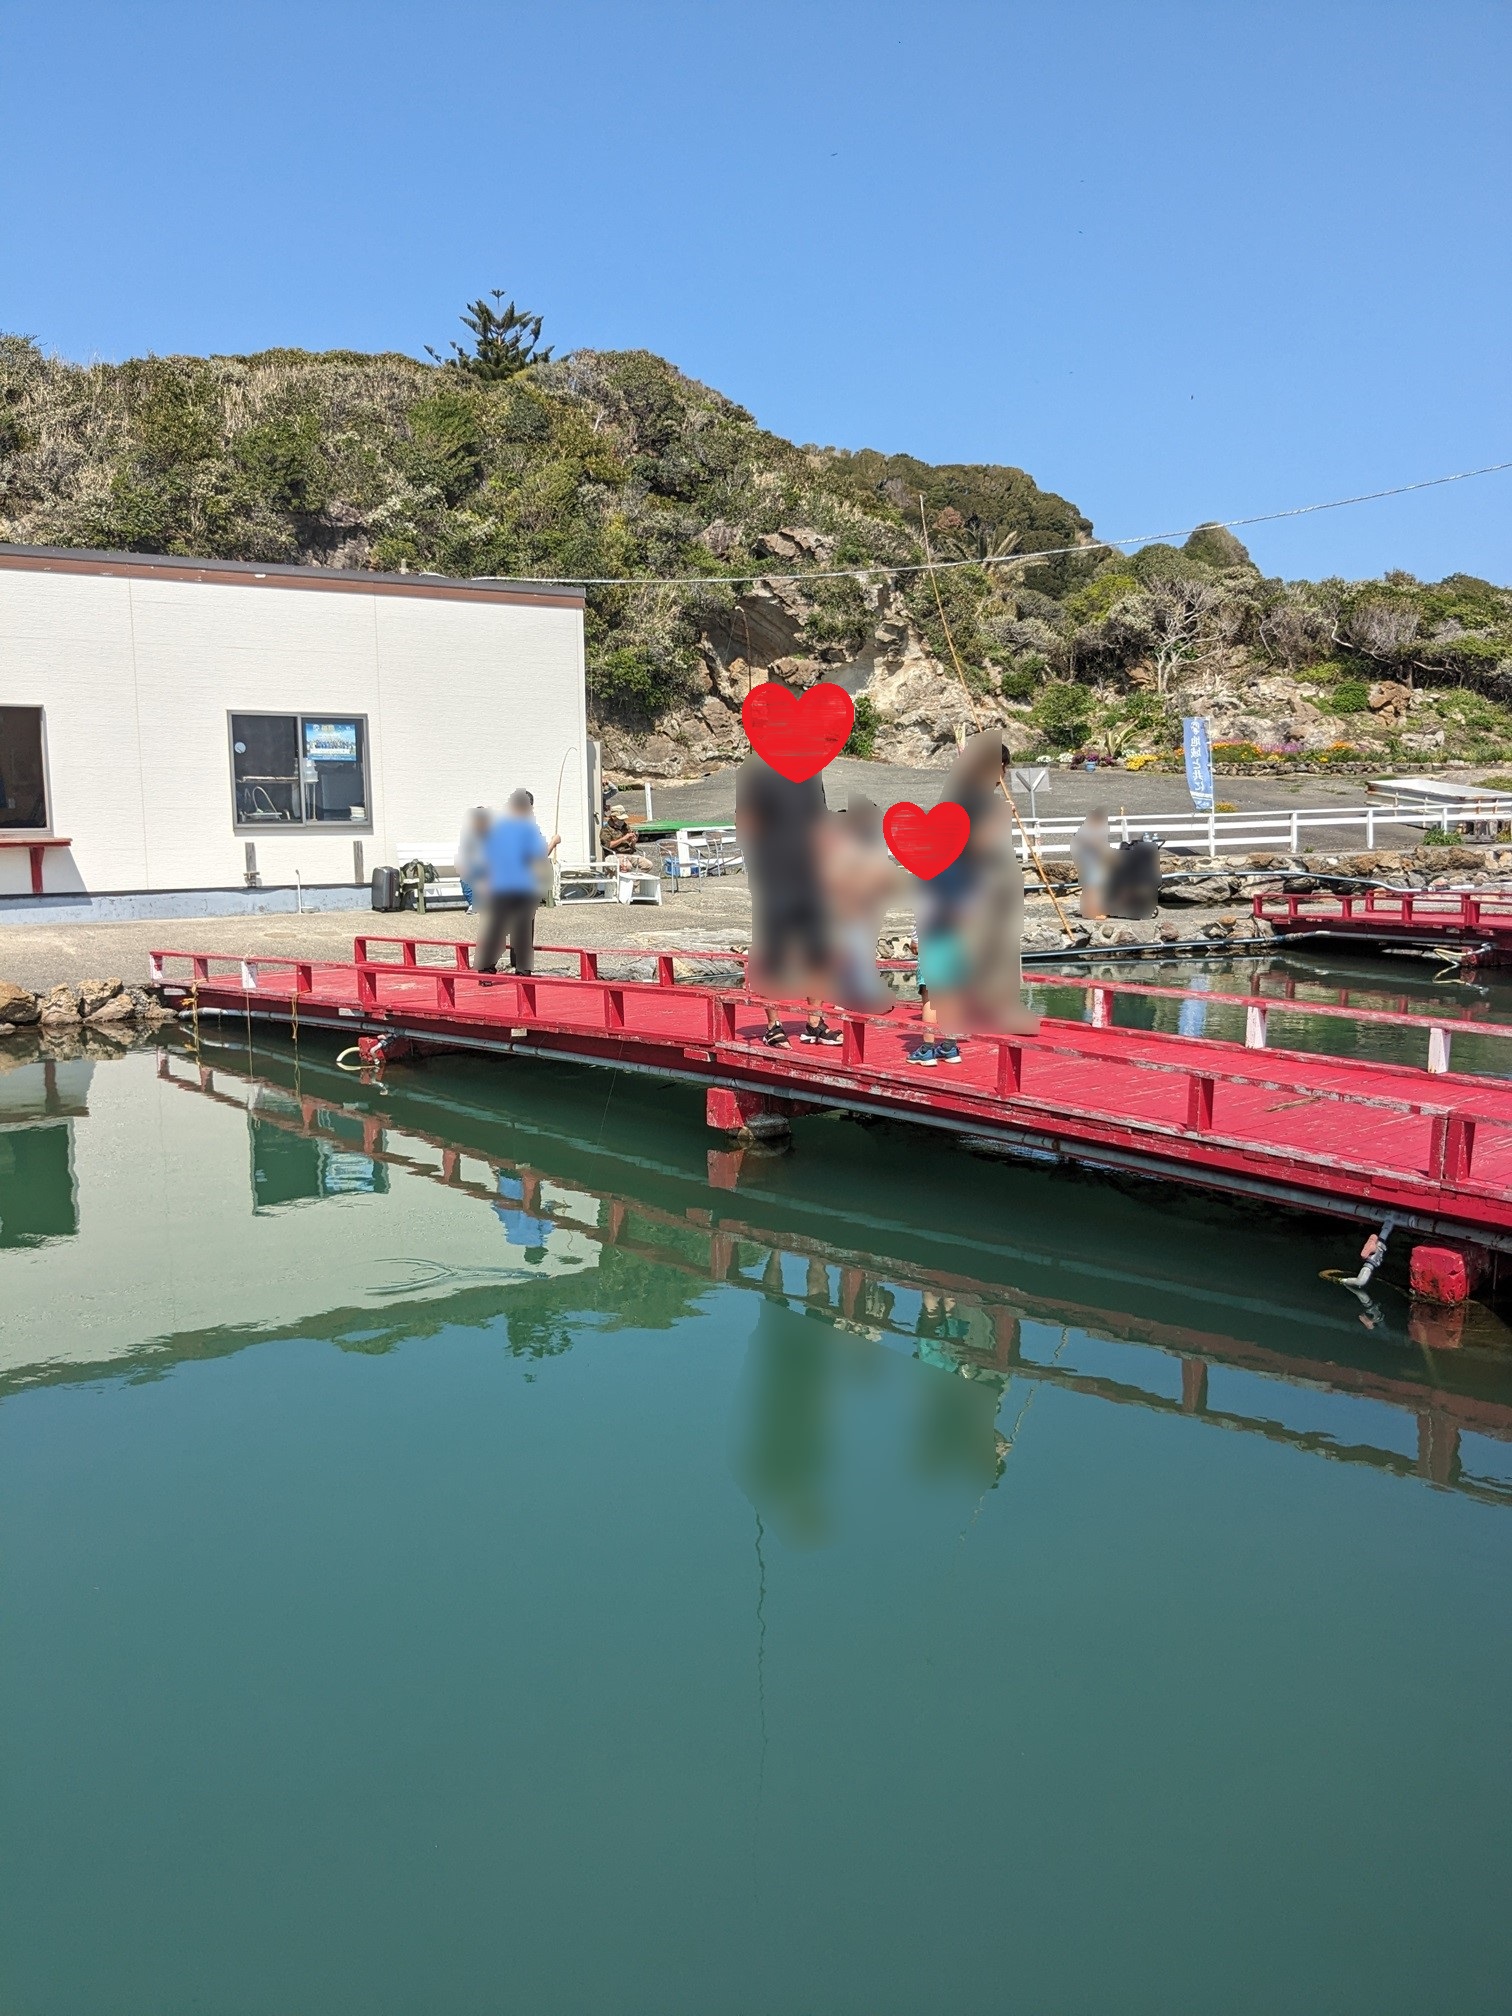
point(1022, 559)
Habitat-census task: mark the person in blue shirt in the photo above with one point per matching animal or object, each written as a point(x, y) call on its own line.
point(511, 858)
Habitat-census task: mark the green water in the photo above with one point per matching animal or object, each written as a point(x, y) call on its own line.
point(457, 1556)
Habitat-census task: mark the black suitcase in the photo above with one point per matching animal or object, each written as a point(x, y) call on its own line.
point(386, 892)
point(1133, 886)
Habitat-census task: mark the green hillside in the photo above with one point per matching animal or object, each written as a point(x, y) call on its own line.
point(613, 464)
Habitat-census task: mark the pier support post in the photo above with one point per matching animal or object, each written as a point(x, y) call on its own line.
point(1438, 1449)
point(1194, 1385)
point(1446, 1275)
point(749, 1116)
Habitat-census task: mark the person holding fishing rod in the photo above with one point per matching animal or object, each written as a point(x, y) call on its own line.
point(512, 855)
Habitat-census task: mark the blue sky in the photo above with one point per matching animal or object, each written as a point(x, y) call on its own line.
point(1176, 261)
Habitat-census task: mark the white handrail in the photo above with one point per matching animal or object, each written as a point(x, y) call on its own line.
point(1281, 828)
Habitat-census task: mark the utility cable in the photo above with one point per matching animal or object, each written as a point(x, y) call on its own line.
point(995, 559)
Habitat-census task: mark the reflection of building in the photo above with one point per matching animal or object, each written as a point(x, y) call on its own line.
point(213, 725)
point(38, 1106)
point(159, 1217)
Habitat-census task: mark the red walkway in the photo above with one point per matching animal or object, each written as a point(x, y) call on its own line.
point(1424, 917)
point(1341, 1135)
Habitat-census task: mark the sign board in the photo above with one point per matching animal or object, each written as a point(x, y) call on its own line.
point(1032, 779)
point(330, 741)
point(1199, 761)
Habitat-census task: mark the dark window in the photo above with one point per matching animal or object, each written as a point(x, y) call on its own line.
point(23, 788)
point(37, 1198)
point(300, 770)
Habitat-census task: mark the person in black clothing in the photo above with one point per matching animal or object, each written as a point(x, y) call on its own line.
point(782, 830)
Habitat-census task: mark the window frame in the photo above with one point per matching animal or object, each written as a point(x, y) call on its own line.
point(46, 831)
point(299, 716)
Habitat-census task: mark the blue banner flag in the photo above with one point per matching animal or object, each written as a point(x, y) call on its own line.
point(1199, 761)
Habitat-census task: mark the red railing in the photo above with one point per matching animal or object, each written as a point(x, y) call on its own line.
point(728, 1025)
point(1448, 910)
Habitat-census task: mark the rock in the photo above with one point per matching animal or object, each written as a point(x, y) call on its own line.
point(118, 1008)
point(634, 756)
point(1204, 890)
point(1442, 860)
point(59, 1008)
point(93, 994)
point(733, 681)
point(59, 1018)
point(1387, 697)
point(7, 1028)
point(17, 1004)
point(793, 542)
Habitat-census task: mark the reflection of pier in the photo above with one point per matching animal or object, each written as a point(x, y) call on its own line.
point(721, 1243)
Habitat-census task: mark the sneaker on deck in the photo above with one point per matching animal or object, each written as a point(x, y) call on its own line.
point(925, 1054)
point(821, 1032)
point(776, 1037)
point(947, 1050)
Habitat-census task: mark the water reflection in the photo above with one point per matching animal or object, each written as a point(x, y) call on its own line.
point(167, 1206)
point(38, 1107)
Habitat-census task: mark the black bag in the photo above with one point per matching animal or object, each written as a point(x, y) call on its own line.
point(1133, 886)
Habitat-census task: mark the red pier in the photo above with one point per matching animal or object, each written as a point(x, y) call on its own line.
point(1430, 919)
point(1339, 1135)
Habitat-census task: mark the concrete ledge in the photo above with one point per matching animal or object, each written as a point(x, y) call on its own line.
point(144, 906)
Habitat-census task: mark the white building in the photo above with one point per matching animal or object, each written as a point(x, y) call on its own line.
point(227, 727)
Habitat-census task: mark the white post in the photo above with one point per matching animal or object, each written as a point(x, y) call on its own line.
point(1255, 1019)
point(1439, 1042)
point(1102, 1003)
point(1295, 838)
point(249, 975)
point(647, 789)
point(1369, 828)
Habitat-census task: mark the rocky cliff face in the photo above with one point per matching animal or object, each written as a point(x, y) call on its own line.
point(918, 704)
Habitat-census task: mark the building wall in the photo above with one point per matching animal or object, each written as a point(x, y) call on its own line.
point(465, 699)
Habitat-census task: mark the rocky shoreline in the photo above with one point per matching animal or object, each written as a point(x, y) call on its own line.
point(93, 1004)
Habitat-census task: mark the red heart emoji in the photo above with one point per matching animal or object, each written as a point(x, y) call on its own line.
point(798, 733)
point(926, 843)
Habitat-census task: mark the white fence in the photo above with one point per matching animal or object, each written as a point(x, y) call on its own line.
point(1352, 828)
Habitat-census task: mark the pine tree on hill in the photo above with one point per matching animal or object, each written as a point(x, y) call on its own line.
point(506, 341)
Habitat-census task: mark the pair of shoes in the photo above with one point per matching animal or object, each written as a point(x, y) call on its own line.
point(821, 1032)
point(776, 1037)
point(943, 1051)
